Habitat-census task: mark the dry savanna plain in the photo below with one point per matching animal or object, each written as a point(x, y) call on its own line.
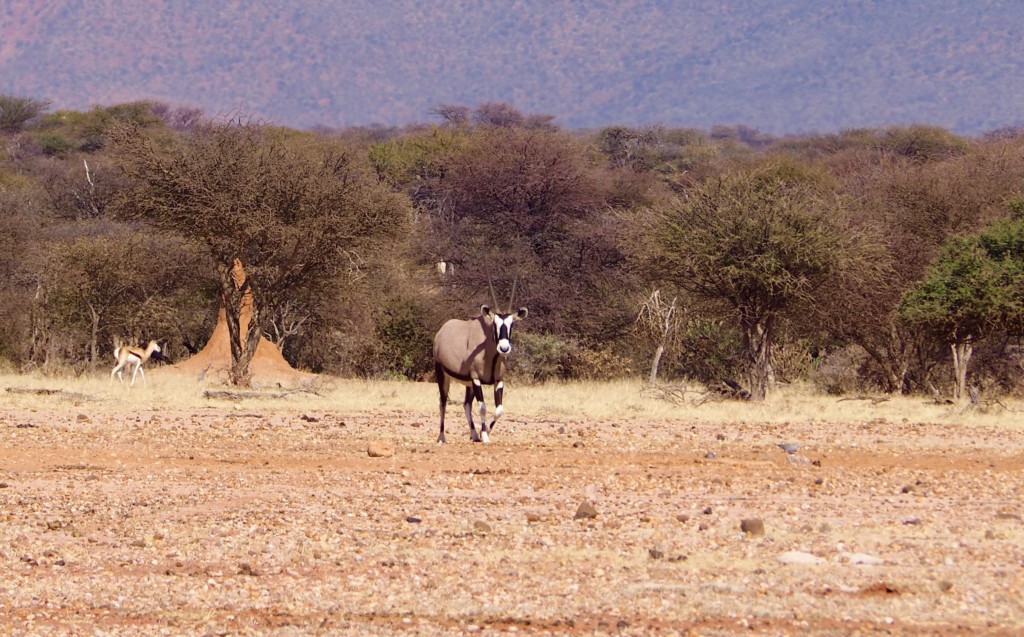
point(597, 509)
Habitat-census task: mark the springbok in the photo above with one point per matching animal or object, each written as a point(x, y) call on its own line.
point(134, 356)
point(473, 353)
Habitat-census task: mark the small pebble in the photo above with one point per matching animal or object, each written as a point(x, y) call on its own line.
point(752, 526)
point(379, 450)
point(585, 511)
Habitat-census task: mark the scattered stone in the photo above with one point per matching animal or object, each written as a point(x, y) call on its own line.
point(82, 418)
point(532, 517)
point(683, 517)
point(577, 444)
point(561, 430)
point(799, 557)
point(752, 526)
point(1002, 515)
point(309, 418)
point(4, 485)
point(137, 544)
point(54, 525)
point(789, 447)
point(907, 489)
point(912, 521)
point(711, 455)
point(862, 558)
point(585, 511)
point(481, 527)
point(245, 569)
point(413, 519)
point(379, 450)
point(706, 511)
point(656, 552)
point(794, 458)
point(819, 481)
point(703, 526)
point(719, 436)
point(945, 586)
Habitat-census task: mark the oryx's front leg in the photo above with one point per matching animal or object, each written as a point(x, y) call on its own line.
point(478, 391)
point(499, 409)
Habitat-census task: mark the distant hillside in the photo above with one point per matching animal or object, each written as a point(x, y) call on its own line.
point(781, 66)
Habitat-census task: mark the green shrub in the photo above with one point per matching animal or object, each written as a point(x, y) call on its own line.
point(542, 357)
point(54, 143)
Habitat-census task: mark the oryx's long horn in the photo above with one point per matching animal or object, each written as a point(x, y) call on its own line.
point(494, 297)
point(512, 297)
point(515, 282)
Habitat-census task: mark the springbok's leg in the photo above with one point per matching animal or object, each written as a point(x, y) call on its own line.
point(443, 384)
point(468, 405)
point(117, 372)
point(135, 373)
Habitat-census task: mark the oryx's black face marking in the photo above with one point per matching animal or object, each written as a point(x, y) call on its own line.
point(502, 326)
point(503, 332)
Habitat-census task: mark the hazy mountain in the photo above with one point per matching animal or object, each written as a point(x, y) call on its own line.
point(777, 65)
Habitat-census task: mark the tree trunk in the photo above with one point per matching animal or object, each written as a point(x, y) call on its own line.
point(961, 357)
point(654, 364)
point(757, 350)
point(94, 334)
point(241, 314)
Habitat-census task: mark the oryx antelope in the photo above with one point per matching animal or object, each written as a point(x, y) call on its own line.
point(134, 358)
point(473, 353)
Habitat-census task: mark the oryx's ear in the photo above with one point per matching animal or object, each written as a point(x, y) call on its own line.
point(485, 310)
point(521, 314)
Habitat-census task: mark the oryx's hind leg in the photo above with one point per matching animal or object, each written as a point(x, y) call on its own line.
point(443, 384)
point(468, 406)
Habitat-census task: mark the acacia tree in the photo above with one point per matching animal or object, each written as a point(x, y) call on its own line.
point(761, 241)
point(111, 286)
point(908, 207)
point(16, 111)
point(290, 211)
point(974, 289)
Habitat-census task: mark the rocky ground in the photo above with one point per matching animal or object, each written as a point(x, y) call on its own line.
point(224, 521)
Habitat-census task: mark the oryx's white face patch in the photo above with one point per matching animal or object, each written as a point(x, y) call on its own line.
point(502, 332)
